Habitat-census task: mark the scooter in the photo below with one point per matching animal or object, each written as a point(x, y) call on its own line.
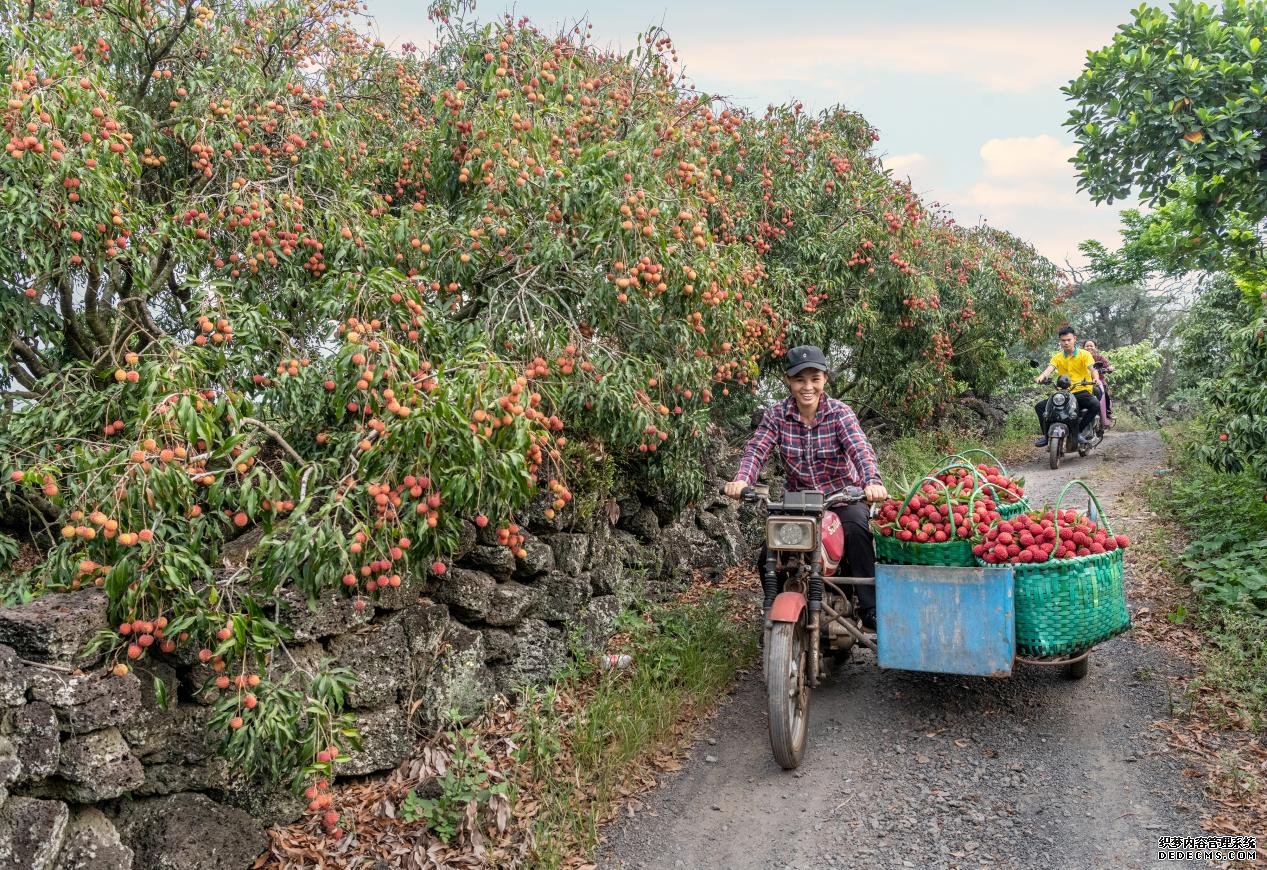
point(1062, 415)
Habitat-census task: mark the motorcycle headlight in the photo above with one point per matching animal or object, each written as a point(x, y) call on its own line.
point(1059, 399)
point(784, 533)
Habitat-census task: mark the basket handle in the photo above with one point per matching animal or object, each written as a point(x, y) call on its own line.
point(1104, 520)
point(981, 483)
point(963, 455)
point(918, 486)
point(977, 481)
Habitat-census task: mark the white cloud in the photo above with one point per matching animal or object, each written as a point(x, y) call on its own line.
point(1042, 192)
point(1027, 185)
point(1002, 59)
point(1025, 157)
point(904, 163)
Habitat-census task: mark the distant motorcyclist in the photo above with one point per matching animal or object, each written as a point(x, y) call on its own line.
point(1103, 368)
point(1079, 365)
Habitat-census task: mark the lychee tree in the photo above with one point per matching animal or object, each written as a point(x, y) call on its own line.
point(267, 285)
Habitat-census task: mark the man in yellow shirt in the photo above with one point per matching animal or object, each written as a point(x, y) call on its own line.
point(1078, 364)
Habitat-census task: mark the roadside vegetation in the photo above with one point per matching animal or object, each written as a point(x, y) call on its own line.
point(1204, 544)
point(1190, 277)
point(1222, 556)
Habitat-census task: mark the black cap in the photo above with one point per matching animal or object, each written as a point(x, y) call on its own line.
point(806, 356)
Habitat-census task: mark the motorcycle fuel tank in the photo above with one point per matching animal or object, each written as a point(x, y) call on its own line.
point(833, 543)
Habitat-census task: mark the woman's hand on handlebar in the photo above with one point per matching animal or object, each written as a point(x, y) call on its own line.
point(735, 488)
point(876, 492)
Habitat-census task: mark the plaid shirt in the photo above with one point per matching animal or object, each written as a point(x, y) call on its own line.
point(827, 456)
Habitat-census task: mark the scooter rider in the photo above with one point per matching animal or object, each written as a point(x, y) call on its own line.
point(823, 448)
point(1078, 364)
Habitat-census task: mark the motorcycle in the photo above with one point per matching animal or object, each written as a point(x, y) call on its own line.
point(1062, 415)
point(805, 545)
point(812, 614)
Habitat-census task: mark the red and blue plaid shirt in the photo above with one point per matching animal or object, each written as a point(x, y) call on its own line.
point(826, 456)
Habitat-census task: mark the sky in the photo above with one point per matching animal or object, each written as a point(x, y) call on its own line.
point(965, 93)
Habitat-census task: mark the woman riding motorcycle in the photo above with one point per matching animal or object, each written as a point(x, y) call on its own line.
point(1102, 369)
point(823, 448)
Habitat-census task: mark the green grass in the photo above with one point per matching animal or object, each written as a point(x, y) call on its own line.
point(1223, 520)
point(904, 460)
point(588, 733)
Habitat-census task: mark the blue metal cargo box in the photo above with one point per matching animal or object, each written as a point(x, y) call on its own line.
point(945, 620)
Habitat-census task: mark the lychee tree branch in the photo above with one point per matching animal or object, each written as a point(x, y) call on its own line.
point(275, 435)
point(75, 339)
point(19, 373)
point(30, 357)
point(153, 60)
point(92, 310)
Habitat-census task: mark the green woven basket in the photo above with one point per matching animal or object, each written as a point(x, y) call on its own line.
point(954, 553)
point(1067, 606)
point(1015, 509)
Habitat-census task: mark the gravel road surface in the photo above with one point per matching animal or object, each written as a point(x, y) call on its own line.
point(908, 769)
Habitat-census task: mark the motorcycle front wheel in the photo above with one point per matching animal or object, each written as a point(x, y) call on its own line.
point(1053, 452)
point(787, 695)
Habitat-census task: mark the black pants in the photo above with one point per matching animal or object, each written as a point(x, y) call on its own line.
point(1088, 407)
point(859, 558)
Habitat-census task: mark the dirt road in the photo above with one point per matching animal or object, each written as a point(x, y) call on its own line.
point(920, 770)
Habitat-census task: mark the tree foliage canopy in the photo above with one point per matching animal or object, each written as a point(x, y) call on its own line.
point(1175, 104)
point(1174, 107)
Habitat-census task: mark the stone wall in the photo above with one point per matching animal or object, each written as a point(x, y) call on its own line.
point(93, 774)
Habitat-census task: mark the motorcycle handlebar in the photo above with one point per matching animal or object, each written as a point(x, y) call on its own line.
point(848, 495)
point(747, 494)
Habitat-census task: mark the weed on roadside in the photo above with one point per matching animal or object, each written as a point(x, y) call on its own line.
point(1233, 679)
point(684, 658)
point(1223, 557)
point(461, 791)
point(1206, 535)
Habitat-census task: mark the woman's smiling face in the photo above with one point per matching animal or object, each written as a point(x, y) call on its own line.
point(807, 388)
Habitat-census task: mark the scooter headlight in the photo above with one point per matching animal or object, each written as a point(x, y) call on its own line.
point(1059, 399)
point(784, 533)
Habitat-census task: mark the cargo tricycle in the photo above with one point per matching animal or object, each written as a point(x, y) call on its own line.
point(955, 620)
